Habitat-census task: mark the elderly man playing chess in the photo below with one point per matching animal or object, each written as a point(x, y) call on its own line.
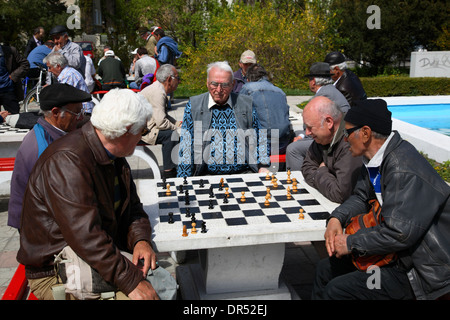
point(405, 252)
point(81, 195)
point(221, 133)
point(328, 166)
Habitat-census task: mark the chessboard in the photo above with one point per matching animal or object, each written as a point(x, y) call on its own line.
point(12, 133)
point(237, 204)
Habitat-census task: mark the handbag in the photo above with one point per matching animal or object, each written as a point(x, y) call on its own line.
point(85, 283)
point(365, 221)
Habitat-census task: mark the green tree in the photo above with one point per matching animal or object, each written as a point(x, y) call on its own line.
point(286, 40)
point(405, 25)
point(19, 18)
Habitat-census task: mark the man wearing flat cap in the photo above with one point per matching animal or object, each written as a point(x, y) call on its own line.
point(344, 79)
point(412, 235)
point(248, 58)
point(61, 105)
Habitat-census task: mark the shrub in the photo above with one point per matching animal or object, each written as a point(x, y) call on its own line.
point(405, 86)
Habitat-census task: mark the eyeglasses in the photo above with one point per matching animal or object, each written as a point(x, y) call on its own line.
point(145, 131)
point(176, 77)
point(225, 85)
point(348, 132)
point(78, 115)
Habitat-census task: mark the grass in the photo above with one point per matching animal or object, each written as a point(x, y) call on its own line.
point(443, 169)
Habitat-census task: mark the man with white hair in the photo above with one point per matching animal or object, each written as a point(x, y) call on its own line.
point(221, 133)
point(81, 195)
point(58, 65)
point(163, 128)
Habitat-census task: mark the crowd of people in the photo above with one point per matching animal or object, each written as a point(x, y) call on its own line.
point(80, 192)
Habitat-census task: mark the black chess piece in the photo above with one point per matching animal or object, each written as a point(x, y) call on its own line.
point(164, 183)
point(180, 188)
point(225, 199)
point(193, 217)
point(188, 212)
point(185, 181)
point(211, 205)
point(171, 217)
point(201, 185)
point(211, 192)
point(203, 227)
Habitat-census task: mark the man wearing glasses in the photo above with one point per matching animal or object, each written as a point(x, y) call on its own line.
point(329, 165)
point(221, 133)
point(61, 105)
point(81, 195)
point(415, 218)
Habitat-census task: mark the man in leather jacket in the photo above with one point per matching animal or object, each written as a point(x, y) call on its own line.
point(81, 194)
point(415, 208)
point(345, 80)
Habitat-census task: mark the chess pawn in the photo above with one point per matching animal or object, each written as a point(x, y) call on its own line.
point(268, 192)
point(184, 231)
point(226, 192)
point(294, 185)
point(168, 192)
point(301, 216)
point(243, 196)
point(193, 231)
point(289, 196)
point(267, 203)
point(268, 176)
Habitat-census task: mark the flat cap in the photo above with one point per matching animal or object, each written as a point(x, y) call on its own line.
point(334, 58)
point(60, 94)
point(319, 69)
point(57, 30)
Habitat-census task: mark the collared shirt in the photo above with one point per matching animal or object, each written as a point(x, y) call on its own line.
point(373, 167)
point(72, 77)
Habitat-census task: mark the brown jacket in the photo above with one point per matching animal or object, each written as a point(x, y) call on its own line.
point(70, 201)
point(161, 120)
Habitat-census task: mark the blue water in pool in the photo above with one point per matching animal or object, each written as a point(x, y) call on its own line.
point(431, 116)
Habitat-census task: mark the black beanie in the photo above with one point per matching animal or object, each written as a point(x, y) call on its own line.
point(372, 113)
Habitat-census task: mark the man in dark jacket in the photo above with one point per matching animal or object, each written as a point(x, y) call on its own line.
point(345, 80)
point(81, 194)
point(415, 210)
point(13, 67)
point(112, 72)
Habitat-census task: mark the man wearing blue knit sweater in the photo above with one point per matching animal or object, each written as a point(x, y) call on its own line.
point(221, 133)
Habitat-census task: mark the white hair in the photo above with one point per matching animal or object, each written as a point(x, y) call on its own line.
point(55, 58)
point(164, 72)
point(119, 109)
point(341, 66)
point(222, 65)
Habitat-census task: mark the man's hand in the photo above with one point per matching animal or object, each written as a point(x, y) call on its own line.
point(144, 291)
point(333, 228)
point(263, 170)
point(143, 250)
point(340, 244)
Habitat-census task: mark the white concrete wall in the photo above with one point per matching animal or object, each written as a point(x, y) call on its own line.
point(430, 64)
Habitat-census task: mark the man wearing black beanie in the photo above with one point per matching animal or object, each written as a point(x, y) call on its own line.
point(411, 236)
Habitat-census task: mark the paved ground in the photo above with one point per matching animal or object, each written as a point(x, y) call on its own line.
point(300, 258)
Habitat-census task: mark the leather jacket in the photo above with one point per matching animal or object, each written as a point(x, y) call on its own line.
point(351, 87)
point(70, 202)
point(416, 212)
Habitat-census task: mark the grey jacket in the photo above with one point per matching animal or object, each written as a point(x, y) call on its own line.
point(416, 212)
